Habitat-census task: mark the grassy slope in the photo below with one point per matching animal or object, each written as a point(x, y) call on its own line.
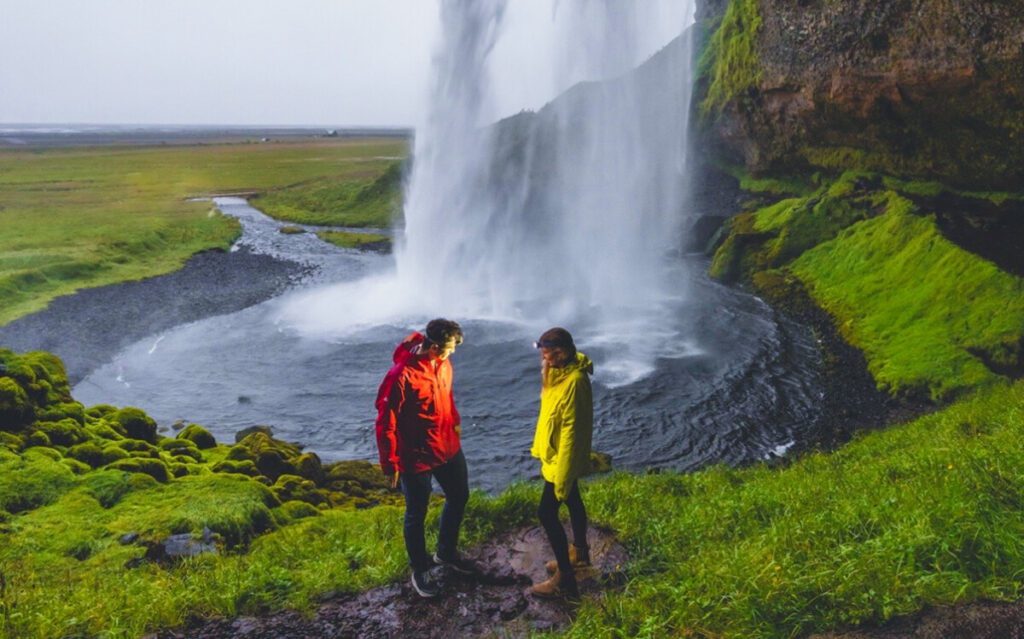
point(930, 511)
point(925, 312)
point(86, 217)
point(371, 199)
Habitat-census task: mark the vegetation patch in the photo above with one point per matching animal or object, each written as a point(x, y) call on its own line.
point(364, 241)
point(730, 61)
point(80, 217)
point(898, 289)
point(371, 198)
point(894, 285)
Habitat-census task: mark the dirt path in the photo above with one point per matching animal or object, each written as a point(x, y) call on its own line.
point(495, 603)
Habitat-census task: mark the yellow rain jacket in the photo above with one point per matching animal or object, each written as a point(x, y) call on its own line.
point(565, 425)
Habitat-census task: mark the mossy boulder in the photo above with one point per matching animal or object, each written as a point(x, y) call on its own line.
point(11, 441)
point(37, 438)
point(100, 410)
point(182, 448)
point(244, 467)
point(62, 410)
point(295, 488)
point(153, 467)
point(100, 429)
point(95, 455)
point(139, 448)
point(294, 510)
point(66, 432)
point(272, 457)
point(198, 436)
point(136, 424)
point(77, 467)
point(308, 465)
point(16, 411)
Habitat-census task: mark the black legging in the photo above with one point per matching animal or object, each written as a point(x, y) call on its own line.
point(547, 512)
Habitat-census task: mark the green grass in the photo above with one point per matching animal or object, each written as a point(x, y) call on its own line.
point(74, 218)
point(916, 304)
point(346, 239)
point(730, 61)
point(929, 512)
point(929, 316)
point(371, 200)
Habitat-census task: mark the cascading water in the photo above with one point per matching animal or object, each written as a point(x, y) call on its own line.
point(569, 215)
point(565, 216)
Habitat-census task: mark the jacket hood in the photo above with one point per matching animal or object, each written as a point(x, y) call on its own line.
point(582, 363)
point(407, 348)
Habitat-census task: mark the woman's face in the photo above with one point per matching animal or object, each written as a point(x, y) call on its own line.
point(554, 357)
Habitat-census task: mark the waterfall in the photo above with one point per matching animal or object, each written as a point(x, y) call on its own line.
point(569, 215)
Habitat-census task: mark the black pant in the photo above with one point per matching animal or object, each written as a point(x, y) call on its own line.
point(547, 512)
point(454, 481)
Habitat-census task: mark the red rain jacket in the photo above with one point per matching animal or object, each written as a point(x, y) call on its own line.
point(416, 414)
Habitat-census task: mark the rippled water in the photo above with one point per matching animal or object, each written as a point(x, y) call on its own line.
point(744, 387)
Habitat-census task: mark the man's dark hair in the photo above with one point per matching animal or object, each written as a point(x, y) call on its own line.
point(440, 331)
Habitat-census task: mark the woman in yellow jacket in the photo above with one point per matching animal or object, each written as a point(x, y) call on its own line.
point(562, 444)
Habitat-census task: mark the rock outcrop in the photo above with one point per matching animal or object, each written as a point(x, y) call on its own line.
point(924, 88)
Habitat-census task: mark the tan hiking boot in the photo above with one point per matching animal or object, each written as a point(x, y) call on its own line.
point(556, 586)
point(574, 559)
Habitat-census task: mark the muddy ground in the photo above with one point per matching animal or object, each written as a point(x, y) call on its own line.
point(494, 603)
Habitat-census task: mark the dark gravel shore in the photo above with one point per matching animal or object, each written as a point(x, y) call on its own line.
point(88, 328)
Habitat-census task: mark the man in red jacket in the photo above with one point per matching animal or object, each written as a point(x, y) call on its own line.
point(418, 431)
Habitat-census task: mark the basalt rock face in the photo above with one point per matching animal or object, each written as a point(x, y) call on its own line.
point(924, 88)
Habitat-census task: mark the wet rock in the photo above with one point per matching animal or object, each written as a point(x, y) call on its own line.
point(178, 425)
point(245, 432)
point(181, 546)
point(128, 538)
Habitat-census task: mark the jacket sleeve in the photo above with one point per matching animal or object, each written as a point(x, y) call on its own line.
point(390, 399)
point(564, 471)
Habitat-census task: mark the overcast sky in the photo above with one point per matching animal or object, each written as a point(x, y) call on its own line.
point(289, 62)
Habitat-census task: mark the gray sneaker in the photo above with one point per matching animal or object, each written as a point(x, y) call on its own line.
point(458, 563)
point(424, 584)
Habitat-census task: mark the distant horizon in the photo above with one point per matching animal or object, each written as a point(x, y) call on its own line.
point(205, 125)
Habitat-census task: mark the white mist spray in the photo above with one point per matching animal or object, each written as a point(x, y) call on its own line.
point(567, 216)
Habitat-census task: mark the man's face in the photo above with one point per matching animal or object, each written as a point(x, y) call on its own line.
point(555, 357)
point(443, 352)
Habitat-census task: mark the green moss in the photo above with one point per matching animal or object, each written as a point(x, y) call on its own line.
point(291, 230)
point(295, 510)
point(198, 435)
point(153, 467)
point(66, 432)
point(75, 466)
point(245, 467)
point(730, 61)
point(32, 480)
point(11, 441)
point(15, 410)
point(373, 202)
point(107, 486)
point(897, 289)
point(100, 429)
point(136, 424)
point(95, 454)
point(62, 410)
point(348, 239)
point(100, 410)
point(182, 447)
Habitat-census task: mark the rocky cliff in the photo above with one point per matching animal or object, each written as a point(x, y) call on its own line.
point(924, 88)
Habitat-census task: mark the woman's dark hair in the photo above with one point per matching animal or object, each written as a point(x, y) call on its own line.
point(557, 337)
point(440, 331)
